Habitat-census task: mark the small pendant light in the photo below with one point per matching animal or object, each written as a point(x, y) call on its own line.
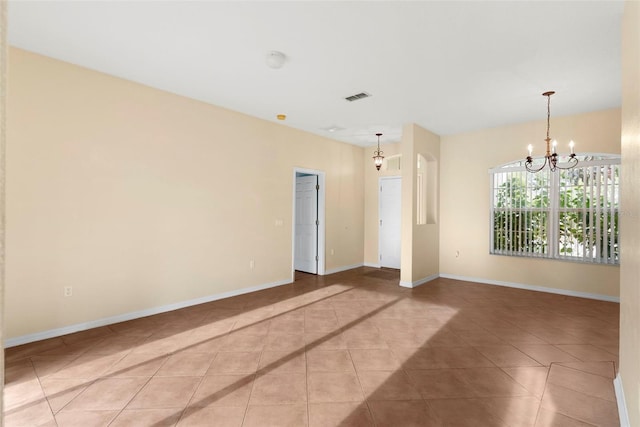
point(378, 157)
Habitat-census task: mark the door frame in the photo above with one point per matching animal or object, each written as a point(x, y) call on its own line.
point(321, 219)
point(380, 179)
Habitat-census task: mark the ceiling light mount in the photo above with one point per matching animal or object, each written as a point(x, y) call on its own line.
point(333, 128)
point(275, 59)
point(377, 155)
point(551, 156)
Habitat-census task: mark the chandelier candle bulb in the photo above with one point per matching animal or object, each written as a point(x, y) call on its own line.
point(571, 144)
point(555, 143)
point(530, 148)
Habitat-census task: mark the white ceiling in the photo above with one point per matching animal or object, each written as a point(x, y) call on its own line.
point(447, 66)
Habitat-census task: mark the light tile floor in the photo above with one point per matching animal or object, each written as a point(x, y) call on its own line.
point(349, 349)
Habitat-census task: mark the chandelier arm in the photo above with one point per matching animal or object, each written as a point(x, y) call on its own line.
point(572, 163)
point(528, 165)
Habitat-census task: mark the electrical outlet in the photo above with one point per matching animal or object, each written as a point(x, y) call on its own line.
point(68, 291)
point(252, 264)
point(457, 254)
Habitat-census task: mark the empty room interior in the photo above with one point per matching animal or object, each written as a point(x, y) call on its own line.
point(320, 213)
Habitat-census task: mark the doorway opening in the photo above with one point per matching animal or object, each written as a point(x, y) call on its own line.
point(308, 229)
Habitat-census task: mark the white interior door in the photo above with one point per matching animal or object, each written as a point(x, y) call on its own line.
point(306, 230)
point(390, 231)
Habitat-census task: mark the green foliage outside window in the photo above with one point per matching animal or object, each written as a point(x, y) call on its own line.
point(583, 217)
point(520, 215)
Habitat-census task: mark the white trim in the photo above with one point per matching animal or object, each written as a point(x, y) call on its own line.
point(623, 414)
point(369, 264)
point(343, 268)
point(52, 333)
point(321, 219)
point(419, 282)
point(533, 288)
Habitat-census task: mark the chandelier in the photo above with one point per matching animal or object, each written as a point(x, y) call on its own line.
point(551, 156)
point(378, 157)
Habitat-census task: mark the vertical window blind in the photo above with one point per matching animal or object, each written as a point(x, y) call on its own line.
point(567, 214)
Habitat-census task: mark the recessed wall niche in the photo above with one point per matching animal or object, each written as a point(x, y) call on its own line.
point(426, 190)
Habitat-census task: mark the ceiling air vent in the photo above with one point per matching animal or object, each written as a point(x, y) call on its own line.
point(357, 96)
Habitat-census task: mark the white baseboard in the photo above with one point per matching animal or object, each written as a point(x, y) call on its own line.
point(533, 288)
point(343, 268)
point(419, 282)
point(622, 404)
point(52, 333)
point(369, 264)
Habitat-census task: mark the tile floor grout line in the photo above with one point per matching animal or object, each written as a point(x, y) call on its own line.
point(72, 359)
point(53, 414)
point(128, 402)
point(231, 330)
point(91, 381)
point(206, 340)
point(246, 408)
point(331, 334)
point(195, 390)
point(141, 388)
point(575, 391)
point(582, 393)
point(544, 391)
point(562, 364)
point(306, 383)
point(343, 328)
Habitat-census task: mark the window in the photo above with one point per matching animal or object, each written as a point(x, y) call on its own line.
point(567, 214)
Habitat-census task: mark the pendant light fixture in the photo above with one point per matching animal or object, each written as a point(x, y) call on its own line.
point(378, 157)
point(551, 156)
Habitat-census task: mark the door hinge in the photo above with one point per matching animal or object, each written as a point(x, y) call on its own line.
point(316, 257)
point(381, 188)
point(317, 186)
point(380, 223)
point(380, 257)
point(317, 222)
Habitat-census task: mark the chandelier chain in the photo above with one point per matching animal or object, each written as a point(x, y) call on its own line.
point(548, 114)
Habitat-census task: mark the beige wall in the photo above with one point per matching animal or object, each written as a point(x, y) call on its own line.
point(464, 197)
point(406, 256)
point(139, 198)
point(3, 87)
point(630, 221)
point(425, 249)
